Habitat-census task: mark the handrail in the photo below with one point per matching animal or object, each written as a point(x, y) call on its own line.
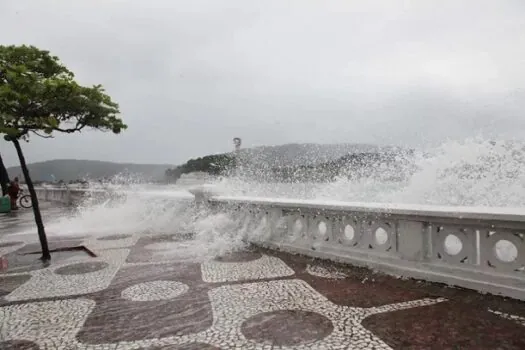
point(476, 248)
point(467, 213)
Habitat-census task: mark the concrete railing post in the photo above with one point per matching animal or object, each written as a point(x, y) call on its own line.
point(413, 243)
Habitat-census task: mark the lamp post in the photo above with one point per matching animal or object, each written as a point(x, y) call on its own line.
point(237, 155)
point(237, 143)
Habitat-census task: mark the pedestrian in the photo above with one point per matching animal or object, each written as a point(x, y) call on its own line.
point(13, 190)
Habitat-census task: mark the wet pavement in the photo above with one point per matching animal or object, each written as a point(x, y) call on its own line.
point(133, 295)
point(23, 220)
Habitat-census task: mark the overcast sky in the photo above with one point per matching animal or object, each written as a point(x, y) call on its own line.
point(191, 75)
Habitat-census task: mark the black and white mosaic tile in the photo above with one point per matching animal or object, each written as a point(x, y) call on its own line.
point(153, 291)
point(67, 279)
point(515, 318)
point(116, 241)
point(233, 305)
point(320, 271)
point(135, 296)
point(262, 268)
point(49, 325)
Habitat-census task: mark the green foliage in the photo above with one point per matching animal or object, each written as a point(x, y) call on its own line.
point(39, 95)
point(355, 165)
point(216, 164)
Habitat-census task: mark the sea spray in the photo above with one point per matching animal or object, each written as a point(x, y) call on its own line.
point(474, 172)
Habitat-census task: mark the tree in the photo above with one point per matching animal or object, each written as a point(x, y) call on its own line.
point(39, 96)
point(216, 164)
point(4, 177)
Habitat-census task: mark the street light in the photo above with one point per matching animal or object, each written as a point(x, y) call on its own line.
point(237, 143)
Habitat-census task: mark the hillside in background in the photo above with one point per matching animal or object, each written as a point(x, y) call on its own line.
point(291, 162)
point(304, 154)
point(74, 169)
point(299, 162)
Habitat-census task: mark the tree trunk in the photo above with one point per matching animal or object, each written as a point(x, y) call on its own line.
point(4, 177)
point(36, 209)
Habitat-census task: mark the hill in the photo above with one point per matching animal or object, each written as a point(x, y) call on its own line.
point(298, 162)
point(290, 162)
point(74, 169)
point(304, 154)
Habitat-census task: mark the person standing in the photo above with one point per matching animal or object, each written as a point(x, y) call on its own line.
point(13, 191)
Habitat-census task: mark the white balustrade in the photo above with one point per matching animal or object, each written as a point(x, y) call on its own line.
point(475, 249)
point(67, 196)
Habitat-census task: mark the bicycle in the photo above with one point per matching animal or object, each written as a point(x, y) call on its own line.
point(25, 201)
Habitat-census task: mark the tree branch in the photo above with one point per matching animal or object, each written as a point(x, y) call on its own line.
point(40, 135)
point(77, 128)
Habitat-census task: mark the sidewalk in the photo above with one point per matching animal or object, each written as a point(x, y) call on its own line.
point(134, 296)
point(23, 219)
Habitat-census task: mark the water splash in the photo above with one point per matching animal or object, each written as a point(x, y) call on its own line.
point(127, 211)
point(472, 173)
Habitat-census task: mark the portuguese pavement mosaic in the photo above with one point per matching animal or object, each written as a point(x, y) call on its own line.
point(132, 296)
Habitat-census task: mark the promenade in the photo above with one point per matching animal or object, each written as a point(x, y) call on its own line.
point(134, 294)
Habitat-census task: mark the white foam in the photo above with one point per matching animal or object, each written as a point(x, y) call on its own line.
point(462, 179)
point(473, 173)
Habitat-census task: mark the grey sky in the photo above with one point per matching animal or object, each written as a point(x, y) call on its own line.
point(190, 75)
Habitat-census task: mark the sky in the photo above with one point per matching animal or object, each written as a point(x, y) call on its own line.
point(191, 75)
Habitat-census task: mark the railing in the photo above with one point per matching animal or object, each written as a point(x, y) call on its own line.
point(481, 250)
point(67, 196)
point(86, 196)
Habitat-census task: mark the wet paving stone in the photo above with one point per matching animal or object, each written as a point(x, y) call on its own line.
point(68, 238)
point(113, 237)
point(449, 325)
point(10, 283)
point(81, 268)
point(53, 245)
point(287, 327)
point(137, 312)
point(359, 287)
point(191, 346)
point(19, 261)
point(154, 291)
point(18, 345)
point(248, 300)
point(151, 248)
point(240, 256)
point(9, 244)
